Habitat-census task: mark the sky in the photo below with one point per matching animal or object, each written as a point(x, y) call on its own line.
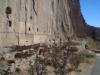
point(91, 11)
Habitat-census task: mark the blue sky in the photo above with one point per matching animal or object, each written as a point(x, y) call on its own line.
point(91, 11)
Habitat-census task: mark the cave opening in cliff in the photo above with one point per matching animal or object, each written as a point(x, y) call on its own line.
point(31, 17)
point(10, 23)
point(29, 29)
point(8, 10)
point(37, 29)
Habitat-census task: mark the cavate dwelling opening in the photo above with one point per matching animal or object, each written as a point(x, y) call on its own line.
point(10, 23)
point(8, 10)
point(29, 29)
point(31, 17)
point(37, 29)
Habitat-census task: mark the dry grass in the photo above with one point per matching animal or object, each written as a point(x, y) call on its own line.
point(87, 57)
point(93, 44)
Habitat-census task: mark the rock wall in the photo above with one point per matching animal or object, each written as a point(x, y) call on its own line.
point(25, 22)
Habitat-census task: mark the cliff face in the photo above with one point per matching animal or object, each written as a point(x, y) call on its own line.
point(26, 22)
point(77, 20)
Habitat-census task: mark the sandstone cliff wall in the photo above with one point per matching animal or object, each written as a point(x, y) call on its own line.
point(26, 22)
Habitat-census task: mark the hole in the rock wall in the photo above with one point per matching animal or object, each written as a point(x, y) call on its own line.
point(10, 23)
point(8, 10)
point(29, 29)
point(26, 41)
point(31, 17)
point(37, 29)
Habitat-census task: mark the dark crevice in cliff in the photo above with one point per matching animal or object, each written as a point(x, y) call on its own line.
point(25, 17)
point(34, 7)
point(62, 26)
point(67, 27)
point(52, 5)
point(58, 1)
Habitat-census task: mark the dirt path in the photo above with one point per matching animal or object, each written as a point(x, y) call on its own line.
point(96, 70)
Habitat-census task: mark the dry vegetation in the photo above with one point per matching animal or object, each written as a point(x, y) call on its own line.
point(64, 59)
point(93, 45)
